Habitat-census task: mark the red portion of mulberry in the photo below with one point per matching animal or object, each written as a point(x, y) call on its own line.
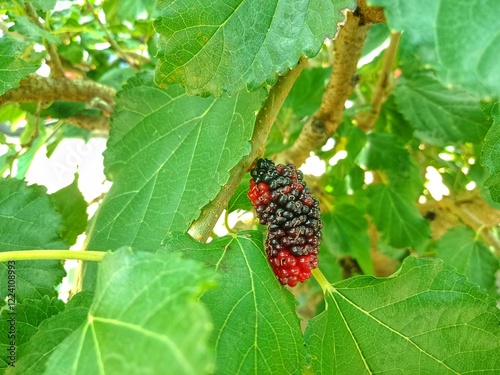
point(284, 203)
point(291, 269)
point(259, 194)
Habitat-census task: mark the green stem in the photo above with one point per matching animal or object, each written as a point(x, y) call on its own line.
point(51, 254)
point(322, 281)
point(479, 232)
point(226, 222)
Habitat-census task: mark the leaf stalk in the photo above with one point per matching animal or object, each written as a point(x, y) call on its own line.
point(322, 281)
point(95, 256)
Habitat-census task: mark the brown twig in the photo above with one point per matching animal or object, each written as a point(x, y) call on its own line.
point(40, 89)
point(367, 119)
point(324, 123)
point(469, 209)
point(371, 14)
point(469, 218)
point(89, 122)
point(56, 68)
point(202, 227)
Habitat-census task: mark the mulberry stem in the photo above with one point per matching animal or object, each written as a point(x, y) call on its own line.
point(322, 281)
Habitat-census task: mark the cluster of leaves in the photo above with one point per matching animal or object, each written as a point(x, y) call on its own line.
point(81, 39)
point(187, 307)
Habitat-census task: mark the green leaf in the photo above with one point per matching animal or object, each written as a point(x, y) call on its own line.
point(12, 69)
point(44, 5)
point(118, 11)
point(284, 131)
point(392, 252)
point(52, 143)
point(7, 159)
point(73, 25)
point(306, 94)
point(230, 46)
point(33, 32)
point(72, 52)
point(377, 35)
point(426, 319)
point(24, 318)
point(256, 329)
point(345, 233)
point(117, 77)
point(145, 318)
point(32, 356)
point(63, 109)
point(29, 315)
point(407, 180)
point(466, 46)
point(330, 266)
point(493, 185)
point(356, 139)
point(384, 152)
point(73, 208)
point(391, 120)
point(29, 221)
point(71, 131)
point(491, 155)
point(452, 37)
point(168, 154)
point(396, 218)
point(29, 130)
point(240, 200)
point(441, 115)
point(472, 258)
point(25, 160)
point(344, 177)
point(11, 113)
point(417, 44)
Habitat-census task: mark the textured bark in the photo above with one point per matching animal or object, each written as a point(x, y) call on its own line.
point(40, 89)
point(324, 123)
point(89, 122)
point(371, 14)
point(468, 209)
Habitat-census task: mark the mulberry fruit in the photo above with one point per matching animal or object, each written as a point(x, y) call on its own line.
point(284, 203)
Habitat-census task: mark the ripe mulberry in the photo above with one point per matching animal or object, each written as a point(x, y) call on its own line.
point(284, 203)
